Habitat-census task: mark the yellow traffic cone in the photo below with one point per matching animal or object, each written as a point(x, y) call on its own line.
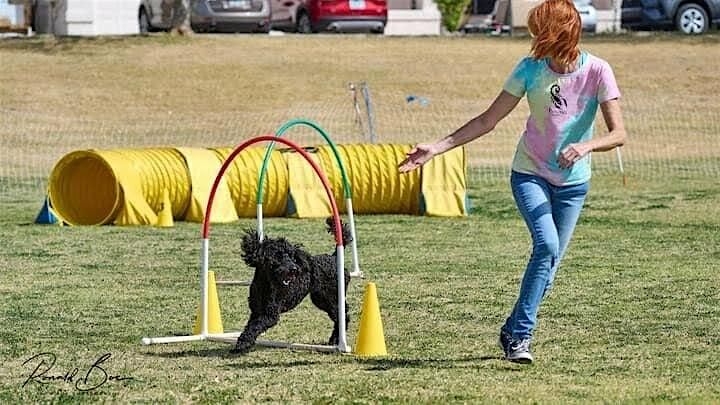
point(165, 216)
point(214, 319)
point(371, 340)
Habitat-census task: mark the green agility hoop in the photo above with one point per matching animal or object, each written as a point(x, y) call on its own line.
point(346, 185)
point(280, 132)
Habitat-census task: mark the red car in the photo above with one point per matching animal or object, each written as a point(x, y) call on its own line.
point(329, 15)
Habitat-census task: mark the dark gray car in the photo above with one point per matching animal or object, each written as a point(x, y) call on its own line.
point(688, 16)
point(211, 15)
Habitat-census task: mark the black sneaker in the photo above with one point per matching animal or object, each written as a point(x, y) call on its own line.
point(519, 351)
point(505, 340)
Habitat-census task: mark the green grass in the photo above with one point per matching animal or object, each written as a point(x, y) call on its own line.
point(632, 317)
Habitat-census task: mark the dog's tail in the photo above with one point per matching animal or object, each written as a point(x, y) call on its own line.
point(251, 247)
point(346, 234)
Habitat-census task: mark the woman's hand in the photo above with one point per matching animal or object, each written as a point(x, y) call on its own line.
point(572, 153)
point(617, 136)
point(417, 157)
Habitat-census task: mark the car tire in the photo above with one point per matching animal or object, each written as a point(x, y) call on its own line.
point(691, 19)
point(303, 24)
point(143, 22)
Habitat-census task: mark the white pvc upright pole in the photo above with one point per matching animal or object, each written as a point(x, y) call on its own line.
point(355, 261)
point(342, 336)
point(259, 214)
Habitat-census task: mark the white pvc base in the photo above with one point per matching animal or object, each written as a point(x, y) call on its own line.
point(231, 338)
point(171, 339)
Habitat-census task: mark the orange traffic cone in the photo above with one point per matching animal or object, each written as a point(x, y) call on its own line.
point(371, 339)
point(214, 319)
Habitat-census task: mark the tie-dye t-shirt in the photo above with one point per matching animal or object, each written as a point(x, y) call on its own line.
point(562, 111)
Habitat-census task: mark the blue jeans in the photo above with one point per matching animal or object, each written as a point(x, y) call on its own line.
point(550, 213)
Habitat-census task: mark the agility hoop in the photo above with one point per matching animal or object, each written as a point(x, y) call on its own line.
point(342, 345)
point(347, 190)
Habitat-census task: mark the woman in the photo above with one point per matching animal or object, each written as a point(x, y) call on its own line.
point(551, 168)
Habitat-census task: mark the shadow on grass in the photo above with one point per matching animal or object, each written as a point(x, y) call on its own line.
point(371, 364)
point(219, 352)
point(244, 361)
point(386, 364)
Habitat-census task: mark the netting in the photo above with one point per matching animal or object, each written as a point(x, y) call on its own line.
point(664, 136)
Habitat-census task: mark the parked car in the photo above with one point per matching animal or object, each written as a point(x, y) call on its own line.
point(289, 15)
point(211, 15)
point(490, 16)
point(689, 17)
point(307, 16)
point(588, 14)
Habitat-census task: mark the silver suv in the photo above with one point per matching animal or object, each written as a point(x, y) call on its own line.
point(210, 15)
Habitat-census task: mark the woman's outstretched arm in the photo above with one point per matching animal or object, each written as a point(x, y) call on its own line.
point(473, 129)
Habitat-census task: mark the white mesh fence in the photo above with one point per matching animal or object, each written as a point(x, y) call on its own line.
point(664, 137)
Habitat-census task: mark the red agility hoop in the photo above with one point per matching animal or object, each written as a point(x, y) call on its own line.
point(270, 138)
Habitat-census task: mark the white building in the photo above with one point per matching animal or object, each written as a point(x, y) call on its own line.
point(413, 17)
point(90, 17)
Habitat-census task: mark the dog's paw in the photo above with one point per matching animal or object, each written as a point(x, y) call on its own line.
point(242, 348)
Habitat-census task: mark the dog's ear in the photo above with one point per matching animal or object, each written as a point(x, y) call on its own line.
point(252, 248)
point(346, 234)
point(301, 258)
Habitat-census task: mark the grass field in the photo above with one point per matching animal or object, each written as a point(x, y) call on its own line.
point(632, 318)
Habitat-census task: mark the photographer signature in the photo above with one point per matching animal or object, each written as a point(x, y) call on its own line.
point(92, 378)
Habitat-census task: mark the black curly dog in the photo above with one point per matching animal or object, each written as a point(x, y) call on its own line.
point(284, 275)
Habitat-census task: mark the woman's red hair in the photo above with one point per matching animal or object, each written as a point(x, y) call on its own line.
point(555, 26)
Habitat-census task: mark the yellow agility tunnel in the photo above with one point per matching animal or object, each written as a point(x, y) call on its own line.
point(126, 186)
